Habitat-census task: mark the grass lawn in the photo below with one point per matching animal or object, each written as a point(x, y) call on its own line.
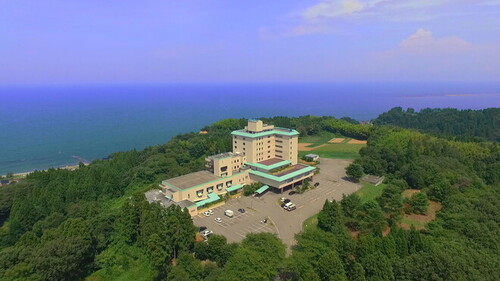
point(409, 222)
point(318, 139)
point(369, 192)
point(336, 150)
point(310, 222)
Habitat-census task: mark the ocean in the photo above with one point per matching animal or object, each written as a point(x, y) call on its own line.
point(54, 126)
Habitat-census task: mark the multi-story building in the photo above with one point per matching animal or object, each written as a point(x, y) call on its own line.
point(261, 153)
point(259, 142)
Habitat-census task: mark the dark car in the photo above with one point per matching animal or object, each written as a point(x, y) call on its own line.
point(316, 184)
point(292, 192)
point(286, 201)
point(202, 228)
point(241, 210)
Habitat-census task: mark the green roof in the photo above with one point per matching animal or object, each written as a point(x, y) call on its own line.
point(270, 167)
point(212, 197)
point(234, 187)
point(277, 131)
point(284, 177)
point(262, 189)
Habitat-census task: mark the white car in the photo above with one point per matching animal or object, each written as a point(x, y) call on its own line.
point(206, 214)
point(207, 232)
point(211, 212)
point(218, 219)
point(282, 199)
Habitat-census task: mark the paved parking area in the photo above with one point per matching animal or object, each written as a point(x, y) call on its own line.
point(281, 222)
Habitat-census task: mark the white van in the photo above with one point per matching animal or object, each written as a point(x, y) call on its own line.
point(229, 213)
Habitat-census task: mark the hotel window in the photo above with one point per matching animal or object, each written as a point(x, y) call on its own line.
point(199, 193)
point(210, 189)
point(229, 183)
point(220, 186)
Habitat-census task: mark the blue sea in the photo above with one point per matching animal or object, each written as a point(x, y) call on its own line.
point(53, 126)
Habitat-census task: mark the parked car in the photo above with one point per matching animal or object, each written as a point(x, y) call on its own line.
point(291, 207)
point(241, 210)
point(202, 228)
point(210, 212)
point(282, 199)
point(229, 213)
point(316, 184)
point(292, 192)
point(206, 214)
point(207, 232)
point(286, 201)
point(218, 219)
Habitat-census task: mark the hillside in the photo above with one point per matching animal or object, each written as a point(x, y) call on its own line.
point(448, 122)
point(94, 224)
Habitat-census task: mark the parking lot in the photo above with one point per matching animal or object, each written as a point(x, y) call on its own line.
point(284, 224)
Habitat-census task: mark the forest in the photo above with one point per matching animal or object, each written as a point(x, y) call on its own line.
point(465, 125)
point(94, 223)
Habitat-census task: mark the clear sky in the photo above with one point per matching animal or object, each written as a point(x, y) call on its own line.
point(114, 41)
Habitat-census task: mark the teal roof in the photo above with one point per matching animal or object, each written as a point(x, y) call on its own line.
point(212, 197)
point(234, 187)
point(262, 189)
point(270, 167)
point(284, 177)
point(276, 131)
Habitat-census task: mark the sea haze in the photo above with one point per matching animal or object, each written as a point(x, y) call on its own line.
point(53, 126)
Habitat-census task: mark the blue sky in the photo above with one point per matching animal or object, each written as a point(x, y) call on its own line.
point(150, 41)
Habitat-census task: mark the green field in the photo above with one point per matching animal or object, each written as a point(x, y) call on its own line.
point(331, 150)
point(369, 192)
point(336, 150)
point(319, 139)
point(415, 223)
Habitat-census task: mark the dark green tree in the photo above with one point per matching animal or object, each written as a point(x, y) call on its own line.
point(357, 272)
point(330, 267)
point(331, 219)
point(419, 203)
point(354, 171)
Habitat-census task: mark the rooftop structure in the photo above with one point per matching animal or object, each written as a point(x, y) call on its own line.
point(190, 180)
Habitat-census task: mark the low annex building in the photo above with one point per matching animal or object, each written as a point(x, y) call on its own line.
point(261, 153)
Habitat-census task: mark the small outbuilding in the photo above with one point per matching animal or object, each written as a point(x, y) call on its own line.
point(312, 157)
point(373, 180)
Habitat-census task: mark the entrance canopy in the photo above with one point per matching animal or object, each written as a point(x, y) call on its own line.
point(262, 189)
point(212, 197)
point(234, 187)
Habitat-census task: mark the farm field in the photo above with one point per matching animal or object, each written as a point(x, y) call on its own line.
point(330, 146)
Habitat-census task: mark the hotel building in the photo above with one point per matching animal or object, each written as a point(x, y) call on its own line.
point(261, 153)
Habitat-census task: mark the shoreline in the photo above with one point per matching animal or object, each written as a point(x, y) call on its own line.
point(22, 175)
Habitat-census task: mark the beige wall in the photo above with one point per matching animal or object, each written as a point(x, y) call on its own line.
point(258, 126)
point(218, 186)
point(228, 166)
point(255, 149)
point(287, 148)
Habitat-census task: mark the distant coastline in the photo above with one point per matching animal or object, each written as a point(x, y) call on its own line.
point(46, 125)
point(21, 175)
